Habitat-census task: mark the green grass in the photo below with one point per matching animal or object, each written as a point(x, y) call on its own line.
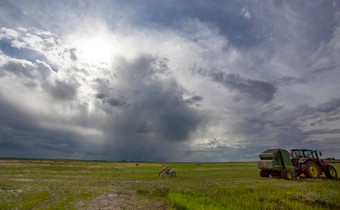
point(60, 184)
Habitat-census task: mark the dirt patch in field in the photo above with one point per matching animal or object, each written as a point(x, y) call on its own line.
point(84, 169)
point(22, 180)
point(122, 200)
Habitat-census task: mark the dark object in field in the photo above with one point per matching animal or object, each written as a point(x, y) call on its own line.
point(280, 164)
point(167, 171)
point(137, 164)
point(198, 164)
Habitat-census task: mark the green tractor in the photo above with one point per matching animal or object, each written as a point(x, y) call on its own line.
point(307, 162)
point(280, 164)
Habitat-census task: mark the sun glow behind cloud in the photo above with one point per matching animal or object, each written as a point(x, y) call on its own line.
point(95, 49)
point(93, 42)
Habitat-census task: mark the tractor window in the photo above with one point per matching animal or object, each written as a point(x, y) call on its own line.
point(308, 154)
point(297, 154)
point(293, 154)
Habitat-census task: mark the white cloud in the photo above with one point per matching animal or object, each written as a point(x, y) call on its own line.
point(58, 98)
point(97, 81)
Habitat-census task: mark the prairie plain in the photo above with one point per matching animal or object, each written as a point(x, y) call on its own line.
point(72, 184)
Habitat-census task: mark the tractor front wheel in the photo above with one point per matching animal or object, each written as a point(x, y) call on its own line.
point(331, 172)
point(311, 170)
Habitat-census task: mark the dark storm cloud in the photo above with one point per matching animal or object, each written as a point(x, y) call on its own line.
point(156, 102)
point(327, 111)
point(61, 90)
point(309, 76)
point(101, 95)
point(117, 102)
point(40, 142)
point(194, 100)
point(322, 131)
point(22, 133)
point(158, 117)
point(288, 131)
point(30, 74)
point(15, 118)
point(163, 113)
point(256, 89)
point(332, 105)
point(25, 134)
point(20, 69)
point(330, 119)
point(291, 131)
point(249, 126)
point(326, 69)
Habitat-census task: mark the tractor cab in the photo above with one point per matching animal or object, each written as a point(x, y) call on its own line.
point(305, 153)
point(307, 162)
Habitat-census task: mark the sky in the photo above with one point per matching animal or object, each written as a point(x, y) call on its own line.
point(168, 80)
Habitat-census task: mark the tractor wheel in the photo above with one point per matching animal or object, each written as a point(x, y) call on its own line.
point(286, 174)
point(311, 170)
point(263, 173)
point(331, 172)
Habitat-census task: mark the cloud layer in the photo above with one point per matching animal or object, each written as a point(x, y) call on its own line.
point(186, 82)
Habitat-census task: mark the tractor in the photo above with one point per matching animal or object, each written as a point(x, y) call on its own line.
point(307, 162)
point(280, 164)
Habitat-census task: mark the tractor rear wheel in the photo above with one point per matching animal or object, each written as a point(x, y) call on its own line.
point(263, 173)
point(331, 172)
point(311, 170)
point(286, 174)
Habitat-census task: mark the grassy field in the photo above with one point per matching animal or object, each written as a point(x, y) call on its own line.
point(63, 184)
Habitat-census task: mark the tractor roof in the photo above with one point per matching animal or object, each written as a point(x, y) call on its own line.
point(301, 150)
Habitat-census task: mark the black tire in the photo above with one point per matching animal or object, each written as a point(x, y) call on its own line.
point(331, 172)
point(160, 174)
point(286, 174)
point(311, 170)
point(173, 174)
point(263, 173)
